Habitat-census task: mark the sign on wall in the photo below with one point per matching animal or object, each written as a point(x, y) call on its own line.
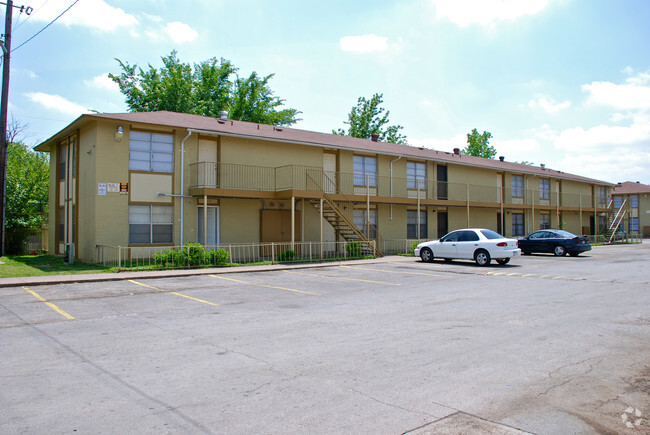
point(124, 188)
point(101, 189)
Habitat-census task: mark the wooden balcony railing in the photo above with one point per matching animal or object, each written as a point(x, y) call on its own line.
point(295, 177)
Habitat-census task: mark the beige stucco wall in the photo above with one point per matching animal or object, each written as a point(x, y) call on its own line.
point(240, 221)
point(86, 175)
point(274, 154)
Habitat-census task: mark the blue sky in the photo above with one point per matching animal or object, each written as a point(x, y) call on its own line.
point(560, 82)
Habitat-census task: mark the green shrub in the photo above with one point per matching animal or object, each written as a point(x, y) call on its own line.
point(412, 248)
point(354, 249)
point(287, 255)
point(191, 254)
point(218, 257)
point(164, 258)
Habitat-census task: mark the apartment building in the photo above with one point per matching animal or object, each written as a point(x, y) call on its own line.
point(632, 203)
point(165, 179)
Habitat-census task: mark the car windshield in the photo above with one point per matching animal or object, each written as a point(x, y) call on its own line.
point(565, 234)
point(491, 235)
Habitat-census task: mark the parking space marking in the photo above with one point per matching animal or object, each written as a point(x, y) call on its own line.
point(336, 277)
point(174, 293)
point(49, 304)
point(266, 285)
point(392, 271)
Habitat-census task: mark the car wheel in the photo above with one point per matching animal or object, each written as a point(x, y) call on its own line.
point(574, 254)
point(559, 251)
point(482, 257)
point(503, 261)
point(426, 255)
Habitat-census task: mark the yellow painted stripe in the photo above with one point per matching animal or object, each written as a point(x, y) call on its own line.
point(345, 278)
point(559, 277)
point(174, 293)
point(392, 271)
point(49, 304)
point(266, 285)
point(514, 274)
point(527, 275)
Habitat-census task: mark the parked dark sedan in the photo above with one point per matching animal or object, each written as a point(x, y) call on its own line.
point(559, 242)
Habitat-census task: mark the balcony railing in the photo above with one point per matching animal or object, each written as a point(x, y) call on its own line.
point(295, 177)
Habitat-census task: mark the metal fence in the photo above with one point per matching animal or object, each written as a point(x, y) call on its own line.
point(195, 255)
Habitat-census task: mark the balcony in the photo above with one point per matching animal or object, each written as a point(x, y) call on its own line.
point(214, 179)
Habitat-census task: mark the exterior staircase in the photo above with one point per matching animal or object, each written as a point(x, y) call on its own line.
point(614, 219)
point(339, 213)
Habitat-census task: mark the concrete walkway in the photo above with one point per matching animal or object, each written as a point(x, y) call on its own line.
point(151, 274)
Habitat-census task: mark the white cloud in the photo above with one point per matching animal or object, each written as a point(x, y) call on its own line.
point(102, 81)
point(56, 103)
point(634, 94)
point(181, 32)
point(548, 104)
point(604, 137)
point(95, 14)
point(370, 43)
point(464, 13)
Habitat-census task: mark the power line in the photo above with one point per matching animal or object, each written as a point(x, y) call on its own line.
point(30, 15)
point(48, 25)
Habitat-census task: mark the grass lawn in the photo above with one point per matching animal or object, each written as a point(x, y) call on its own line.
point(36, 265)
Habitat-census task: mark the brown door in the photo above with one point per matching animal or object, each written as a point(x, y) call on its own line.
point(275, 226)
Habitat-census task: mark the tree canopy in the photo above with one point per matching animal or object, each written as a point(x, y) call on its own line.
point(205, 89)
point(479, 145)
point(368, 118)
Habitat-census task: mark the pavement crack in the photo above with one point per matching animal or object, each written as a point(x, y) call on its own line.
point(394, 405)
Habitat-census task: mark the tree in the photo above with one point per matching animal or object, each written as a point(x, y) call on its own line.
point(205, 89)
point(368, 118)
point(478, 145)
point(27, 193)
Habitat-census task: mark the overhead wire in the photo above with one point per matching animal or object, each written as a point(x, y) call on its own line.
point(48, 25)
point(36, 9)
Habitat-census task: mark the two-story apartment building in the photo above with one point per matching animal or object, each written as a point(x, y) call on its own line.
point(163, 178)
point(633, 201)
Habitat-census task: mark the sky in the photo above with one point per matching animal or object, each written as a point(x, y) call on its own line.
point(565, 83)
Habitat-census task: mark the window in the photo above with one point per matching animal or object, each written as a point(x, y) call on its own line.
point(365, 170)
point(412, 224)
point(544, 189)
point(634, 224)
point(416, 175)
point(618, 201)
point(518, 186)
point(517, 224)
point(544, 222)
point(634, 201)
point(151, 152)
point(360, 221)
point(150, 223)
point(602, 195)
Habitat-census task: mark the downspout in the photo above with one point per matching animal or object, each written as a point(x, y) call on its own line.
point(189, 133)
point(391, 184)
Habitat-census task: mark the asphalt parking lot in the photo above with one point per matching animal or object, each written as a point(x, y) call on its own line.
point(542, 345)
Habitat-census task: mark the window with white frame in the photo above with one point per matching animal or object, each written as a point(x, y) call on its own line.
point(518, 224)
point(544, 222)
point(416, 175)
point(412, 224)
point(544, 188)
point(618, 201)
point(634, 201)
point(360, 219)
point(634, 224)
point(602, 195)
point(150, 224)
point(365, 170)
point(153, 152)
point(518, 186)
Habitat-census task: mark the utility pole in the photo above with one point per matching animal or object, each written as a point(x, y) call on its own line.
point(4, 99)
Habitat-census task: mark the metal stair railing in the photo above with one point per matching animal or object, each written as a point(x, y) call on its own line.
point(348, 223)
point(616, 221)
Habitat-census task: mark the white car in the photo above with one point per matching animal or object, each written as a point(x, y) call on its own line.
point(476, 244)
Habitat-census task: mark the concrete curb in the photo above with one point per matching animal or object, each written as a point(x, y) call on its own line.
point(119, 276)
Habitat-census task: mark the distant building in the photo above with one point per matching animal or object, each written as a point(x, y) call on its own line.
point(634, 201)
point(163, 178)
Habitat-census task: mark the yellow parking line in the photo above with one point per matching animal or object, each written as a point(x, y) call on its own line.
point(392, 271)
point(527, 275)
point(514, 274)
point(49, 304)
point(266, 285)
point(559, 277)
point(174, 293)
point(336, 277)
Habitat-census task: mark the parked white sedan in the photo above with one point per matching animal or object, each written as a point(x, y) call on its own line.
point(476, 244)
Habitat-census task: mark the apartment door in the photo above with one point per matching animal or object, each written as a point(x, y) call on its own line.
point(329, 173)
point(442, 182)
point(212, 227)
point(275, 226)
point(207, 167)
point(442, 224)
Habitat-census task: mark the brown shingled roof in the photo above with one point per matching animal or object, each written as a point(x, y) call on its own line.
point(210, 125)
point(628, 187)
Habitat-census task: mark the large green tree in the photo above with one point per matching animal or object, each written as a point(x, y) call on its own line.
point(27, 193)
point(479, 145)
point(205, 89)
point(368, 118)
